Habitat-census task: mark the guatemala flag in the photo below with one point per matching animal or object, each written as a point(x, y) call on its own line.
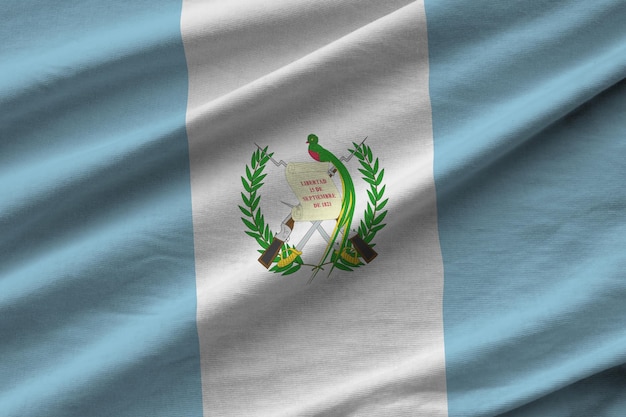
point(297, 209)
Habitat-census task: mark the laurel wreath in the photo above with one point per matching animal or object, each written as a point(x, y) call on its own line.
point(374, 213)
point(254, 220)
point(261, 232)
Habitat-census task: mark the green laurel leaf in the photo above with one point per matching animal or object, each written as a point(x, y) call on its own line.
point(379, 179)
point(380, 193)
point(374, 214)
point(343, 267)
point(362, 228)
point(293, 269)
point(246, 186)
point(377, 228)
point(379, 219)
point(244, 211)
point(248, 223)
point(367, 174)
point(369, 181)
point(262, 242)
point(261, 232)
point(258, 220)
point(369, 214)
point(257, 179)
point(382, 205)
point(372, 198)
point(246, 200)
point(254, 220)
point(254, 204)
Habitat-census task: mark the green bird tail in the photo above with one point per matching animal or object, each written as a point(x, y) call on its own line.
point(344, 220)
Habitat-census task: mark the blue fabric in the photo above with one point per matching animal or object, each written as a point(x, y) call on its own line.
point(97, 276)
point(97, 282)
point(529, 123)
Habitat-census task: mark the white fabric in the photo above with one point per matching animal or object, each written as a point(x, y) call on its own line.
point(363, 343)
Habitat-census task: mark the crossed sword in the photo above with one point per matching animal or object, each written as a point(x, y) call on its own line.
point(266, 259)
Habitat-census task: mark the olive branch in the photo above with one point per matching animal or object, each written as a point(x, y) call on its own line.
point(374, 214)
point(254, 220)
point(286, 262)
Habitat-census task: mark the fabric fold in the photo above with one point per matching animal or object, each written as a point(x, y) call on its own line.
point(273, 339)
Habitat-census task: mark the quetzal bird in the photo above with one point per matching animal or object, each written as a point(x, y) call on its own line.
point(344, 220)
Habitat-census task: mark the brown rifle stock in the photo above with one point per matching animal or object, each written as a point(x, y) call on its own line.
point(271, 252)
point(366, 251)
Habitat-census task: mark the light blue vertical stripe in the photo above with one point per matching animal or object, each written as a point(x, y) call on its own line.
point(529, 106)
point(97, 281)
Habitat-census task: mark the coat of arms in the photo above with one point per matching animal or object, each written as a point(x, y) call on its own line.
point(325, 191)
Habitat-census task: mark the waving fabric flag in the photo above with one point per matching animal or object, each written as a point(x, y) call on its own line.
point(337, 208)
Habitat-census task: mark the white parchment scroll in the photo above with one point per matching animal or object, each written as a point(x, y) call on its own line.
point(317, 193)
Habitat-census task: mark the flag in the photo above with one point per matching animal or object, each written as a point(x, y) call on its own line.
point(156, 159)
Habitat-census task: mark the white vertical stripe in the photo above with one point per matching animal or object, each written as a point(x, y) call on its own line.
point(369, 342)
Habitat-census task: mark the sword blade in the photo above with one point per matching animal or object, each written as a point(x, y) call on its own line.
point(308, 235)
point(325, 235)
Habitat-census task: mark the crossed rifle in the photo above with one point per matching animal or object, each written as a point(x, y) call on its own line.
point(362, 247)
point(266, 259)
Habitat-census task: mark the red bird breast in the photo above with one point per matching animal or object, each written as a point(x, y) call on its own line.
point(314, 155)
